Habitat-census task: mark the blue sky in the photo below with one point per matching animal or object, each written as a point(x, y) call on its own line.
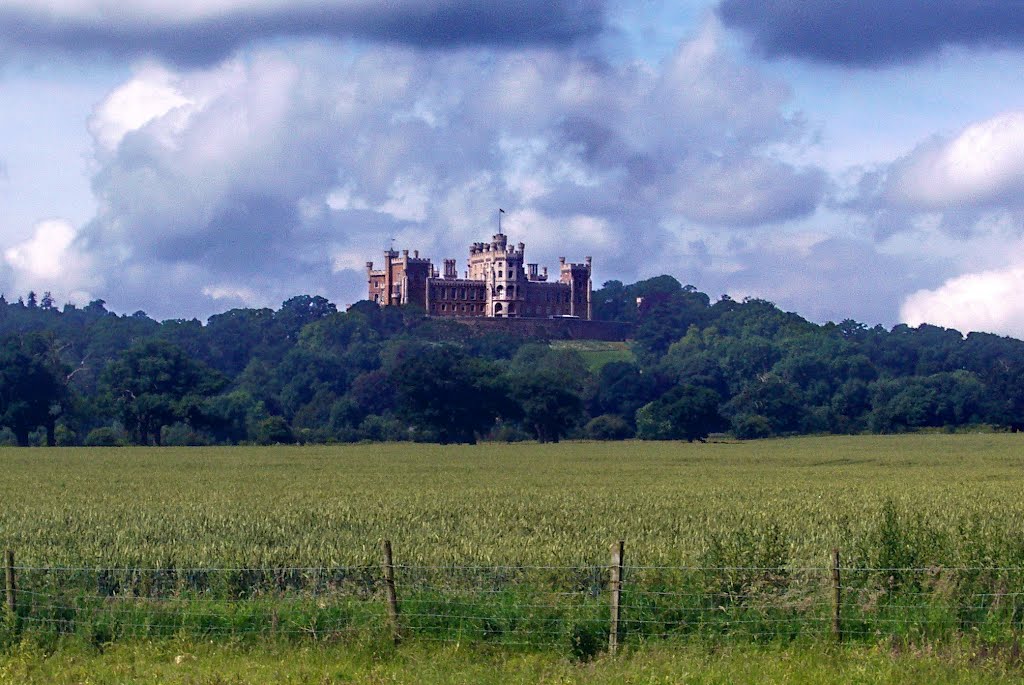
point(860, 160)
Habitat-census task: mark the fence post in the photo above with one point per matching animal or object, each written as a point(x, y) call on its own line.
point(389, 587)
point(618, 553)
point(837, 589)
point(12, 588)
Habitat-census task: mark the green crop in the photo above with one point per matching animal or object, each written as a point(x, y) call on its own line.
point(899, 500)
point(513, 540)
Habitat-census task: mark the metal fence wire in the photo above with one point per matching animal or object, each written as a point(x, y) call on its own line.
point(585, 608)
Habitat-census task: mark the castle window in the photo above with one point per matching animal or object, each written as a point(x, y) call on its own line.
point(497, 309)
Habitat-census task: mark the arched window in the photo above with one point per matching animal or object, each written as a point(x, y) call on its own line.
point(497, 309)
point(499, 290)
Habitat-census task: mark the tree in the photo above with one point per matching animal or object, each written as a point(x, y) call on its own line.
point(445, 393)
point(548, 407)
point(32, 388)
point(778, 401)
point(153, 384)
point(298, 311)
point(687, 412)
point(622, 389)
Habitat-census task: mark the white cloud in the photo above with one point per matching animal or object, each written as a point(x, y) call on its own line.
point(51, 260)
point(150, 95)
point(986, 301)
point(248, 296)
point(982, 166)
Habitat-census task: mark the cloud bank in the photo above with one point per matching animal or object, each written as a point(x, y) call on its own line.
point(256, 179)
point(203, 33)
point(873, 33)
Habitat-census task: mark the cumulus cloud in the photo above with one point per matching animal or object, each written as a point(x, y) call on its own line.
point(256, 179)
point(982, 166)
point(194, 32)
point(987, 301)
point(964, 185)
point(875, 32)
point(49, 260)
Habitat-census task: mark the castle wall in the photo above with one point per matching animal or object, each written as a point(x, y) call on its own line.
point(456, 297)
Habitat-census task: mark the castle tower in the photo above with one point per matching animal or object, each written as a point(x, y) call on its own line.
point(506, 278)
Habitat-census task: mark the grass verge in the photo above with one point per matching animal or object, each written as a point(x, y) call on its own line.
point(202, 663)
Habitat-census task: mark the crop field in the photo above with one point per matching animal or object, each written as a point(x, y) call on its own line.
point(510, 543)
point(954, 500)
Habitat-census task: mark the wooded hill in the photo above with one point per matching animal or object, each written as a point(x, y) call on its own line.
point(309, 373)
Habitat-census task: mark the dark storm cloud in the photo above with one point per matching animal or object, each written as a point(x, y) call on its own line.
point(873, 32)
point(207, 38)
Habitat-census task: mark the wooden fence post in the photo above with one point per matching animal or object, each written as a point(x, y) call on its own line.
point(837, 588)
point(12, 588)
point(618, 553)
point(389, 587)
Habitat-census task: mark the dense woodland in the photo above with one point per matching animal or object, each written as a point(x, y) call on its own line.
point(307, 372)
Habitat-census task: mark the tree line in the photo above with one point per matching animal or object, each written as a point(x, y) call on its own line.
point(309, 373)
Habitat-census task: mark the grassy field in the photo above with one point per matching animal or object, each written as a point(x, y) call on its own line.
point(944, 499)
point(503, 549)
point(597, 353)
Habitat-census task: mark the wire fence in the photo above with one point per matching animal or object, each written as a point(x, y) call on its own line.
point(585, 608)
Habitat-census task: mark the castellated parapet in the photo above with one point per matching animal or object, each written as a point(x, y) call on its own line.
point(498, 283)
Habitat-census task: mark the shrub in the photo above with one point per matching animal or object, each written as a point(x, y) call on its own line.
point(274, 430)
point(608, 427)
point(751, 427)
point(183, 435)
point(106, 436)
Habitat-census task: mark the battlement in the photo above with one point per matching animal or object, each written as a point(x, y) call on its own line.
point(497, 284)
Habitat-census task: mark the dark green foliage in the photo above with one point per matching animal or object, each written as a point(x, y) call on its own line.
point(446, 393)
point(622, 388)
point(608, 427)
point(273, 430)
point(686, 412)
point(778, 401)
point(33, 389)
point(152, 385)
point(308, 372)
point(105, 437)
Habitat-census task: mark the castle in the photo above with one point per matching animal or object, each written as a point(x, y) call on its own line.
point(497, 284)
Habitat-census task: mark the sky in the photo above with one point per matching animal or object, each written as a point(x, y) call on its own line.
point(842, 160)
